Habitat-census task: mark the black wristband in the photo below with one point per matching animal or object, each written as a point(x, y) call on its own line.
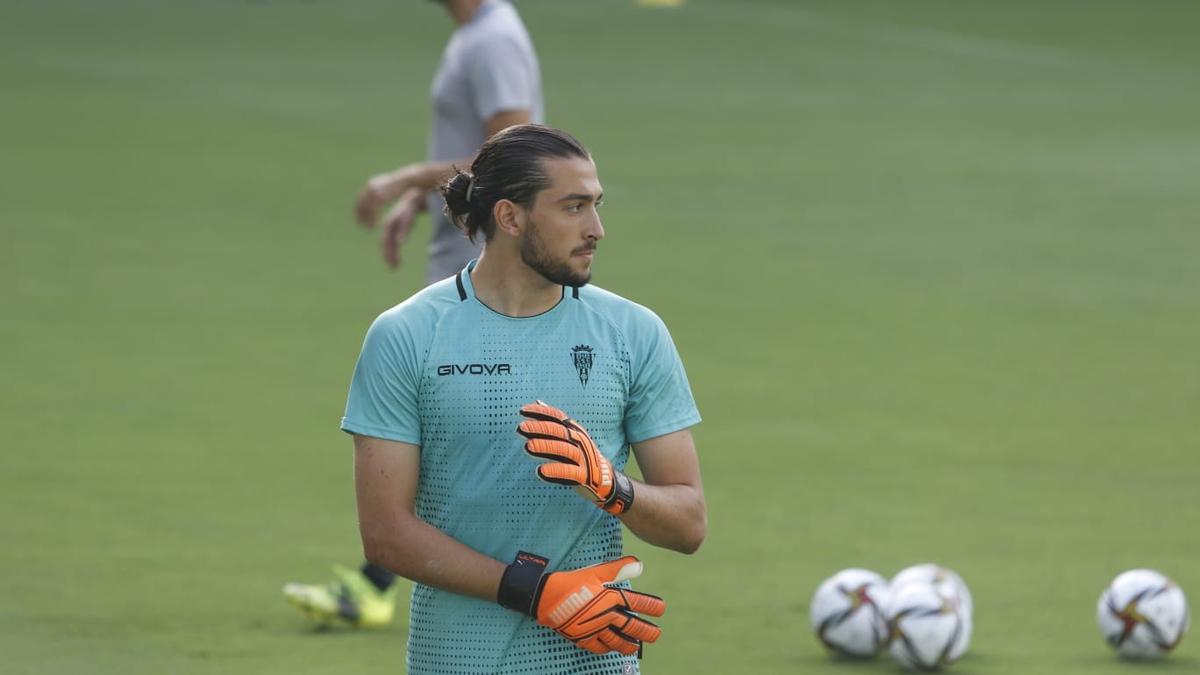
point(521, 582)
point(622, 496)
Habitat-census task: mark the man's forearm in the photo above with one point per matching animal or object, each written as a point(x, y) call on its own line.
point(424, 176)
point(670, 516)
point(418, 551)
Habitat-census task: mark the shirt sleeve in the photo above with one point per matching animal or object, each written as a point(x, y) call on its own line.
point(660, 398)
point(383, 391)
point(502, 78)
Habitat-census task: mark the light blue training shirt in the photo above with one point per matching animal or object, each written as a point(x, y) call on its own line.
point(443, 371)
point(488, 67)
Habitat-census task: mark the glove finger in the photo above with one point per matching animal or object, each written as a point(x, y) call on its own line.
point(575, 426)
point(640, 629)
point(615, 571)
point(563, 474)
point(579, 436)
point(559, 451)
point(643, 603)
point(593, 645)
point(543, 429)
point(541, 411)
point(617, 642)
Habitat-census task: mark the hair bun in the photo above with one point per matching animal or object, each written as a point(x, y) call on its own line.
point(457, 194)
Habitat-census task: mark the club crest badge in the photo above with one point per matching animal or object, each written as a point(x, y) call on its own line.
point(583, 357)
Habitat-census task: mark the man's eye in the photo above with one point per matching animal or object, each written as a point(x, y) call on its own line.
point(599, 203)
point(574, 208)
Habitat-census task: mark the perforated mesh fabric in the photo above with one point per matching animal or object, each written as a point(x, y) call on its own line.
point(477, 484)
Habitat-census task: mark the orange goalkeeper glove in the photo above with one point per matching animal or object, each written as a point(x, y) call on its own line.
point(583, 605)
point(576, 460)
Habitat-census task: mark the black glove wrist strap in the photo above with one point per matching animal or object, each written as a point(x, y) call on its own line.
point(622, 496)
point(521, 583)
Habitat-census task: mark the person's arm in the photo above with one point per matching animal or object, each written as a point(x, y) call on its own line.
point(395, 538)
point(424, 176)
point(668, 507)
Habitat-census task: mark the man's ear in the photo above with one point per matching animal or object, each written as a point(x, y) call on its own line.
point(509, 217)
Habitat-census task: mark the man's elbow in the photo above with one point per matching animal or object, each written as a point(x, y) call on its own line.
point(380, 549)
point(694, 536)
point(388, 542)
point(375, 551)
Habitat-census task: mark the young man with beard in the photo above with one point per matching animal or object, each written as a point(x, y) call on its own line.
point(493, 414)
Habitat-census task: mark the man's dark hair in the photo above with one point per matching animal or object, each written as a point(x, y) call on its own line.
point(508, 166)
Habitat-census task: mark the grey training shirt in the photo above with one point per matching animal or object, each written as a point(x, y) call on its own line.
point(488, 67)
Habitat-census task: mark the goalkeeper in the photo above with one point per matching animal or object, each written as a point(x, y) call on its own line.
point(493, 414)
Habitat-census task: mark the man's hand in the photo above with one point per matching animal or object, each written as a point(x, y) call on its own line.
point(584, 605)
point(398, 224)
point(379, 191)
point(575, 459)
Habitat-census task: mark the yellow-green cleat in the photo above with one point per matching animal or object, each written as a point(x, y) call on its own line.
point(351, 599)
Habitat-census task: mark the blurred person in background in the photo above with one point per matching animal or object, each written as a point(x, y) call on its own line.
point(488, 80)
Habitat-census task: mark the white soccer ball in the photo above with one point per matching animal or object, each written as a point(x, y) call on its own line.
point(1142, 614)
point(924, 627)
point(951, 587)
point(847, 614)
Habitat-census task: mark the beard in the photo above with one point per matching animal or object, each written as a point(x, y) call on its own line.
point(538, 257)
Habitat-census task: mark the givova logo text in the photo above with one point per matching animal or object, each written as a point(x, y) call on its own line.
point(474, 369)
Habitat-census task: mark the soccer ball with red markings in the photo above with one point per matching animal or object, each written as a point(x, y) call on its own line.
point(951, 588)
point(847, 614)
point(1142, 614)
point(924, 627)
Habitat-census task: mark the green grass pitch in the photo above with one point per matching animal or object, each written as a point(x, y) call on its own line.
point(934, 268)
